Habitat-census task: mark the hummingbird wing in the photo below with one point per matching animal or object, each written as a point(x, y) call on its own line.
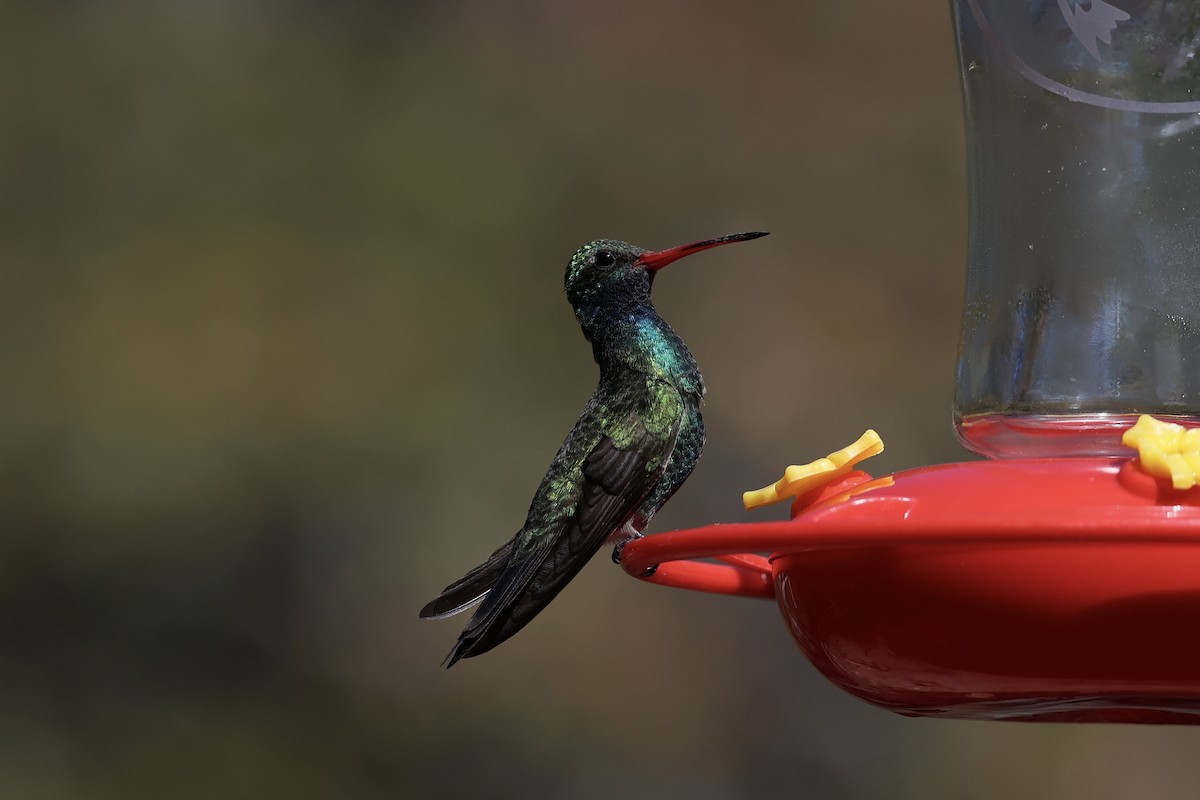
point(616, 475)
point(608, 465)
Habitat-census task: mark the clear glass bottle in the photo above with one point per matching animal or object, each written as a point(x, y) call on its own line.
point(1083, 279)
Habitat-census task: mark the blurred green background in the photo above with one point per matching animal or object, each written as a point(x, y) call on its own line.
point(285, 350)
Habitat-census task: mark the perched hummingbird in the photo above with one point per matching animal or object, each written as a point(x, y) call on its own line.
point(635, 443)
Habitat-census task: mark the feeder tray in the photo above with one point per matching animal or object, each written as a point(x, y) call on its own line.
point(1039, 589)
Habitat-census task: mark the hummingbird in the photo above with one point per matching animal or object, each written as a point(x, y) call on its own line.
point(634, 445)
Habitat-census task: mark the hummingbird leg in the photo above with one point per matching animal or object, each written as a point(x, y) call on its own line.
point(624, 536)
point(616, 556)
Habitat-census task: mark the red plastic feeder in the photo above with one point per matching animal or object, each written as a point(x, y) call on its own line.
point(1037, 589)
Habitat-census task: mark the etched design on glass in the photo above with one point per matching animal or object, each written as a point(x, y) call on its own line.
point(1152, 69)
point(1093, 23)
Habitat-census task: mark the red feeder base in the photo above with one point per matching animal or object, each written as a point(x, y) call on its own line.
point(1043, 590)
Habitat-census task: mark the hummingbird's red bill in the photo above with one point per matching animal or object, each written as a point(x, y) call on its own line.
point(658, 259)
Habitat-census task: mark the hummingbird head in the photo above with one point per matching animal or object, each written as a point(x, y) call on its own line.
point(605, 272)
point(611, 275)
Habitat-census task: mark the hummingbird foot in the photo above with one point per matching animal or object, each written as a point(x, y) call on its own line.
point(631, 536)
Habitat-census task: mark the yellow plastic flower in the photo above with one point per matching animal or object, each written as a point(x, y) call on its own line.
point(1166, 450)
point(801, 478)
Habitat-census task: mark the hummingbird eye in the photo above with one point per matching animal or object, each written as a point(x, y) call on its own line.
point(604, 258)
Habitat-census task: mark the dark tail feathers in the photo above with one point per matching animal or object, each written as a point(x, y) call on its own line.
point(470, 588)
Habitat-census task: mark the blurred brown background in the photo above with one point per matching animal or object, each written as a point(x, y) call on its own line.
point(285, 350)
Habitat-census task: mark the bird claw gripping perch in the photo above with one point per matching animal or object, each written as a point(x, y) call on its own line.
point(1166, 450)
point(800, 479)
point(620, 548)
